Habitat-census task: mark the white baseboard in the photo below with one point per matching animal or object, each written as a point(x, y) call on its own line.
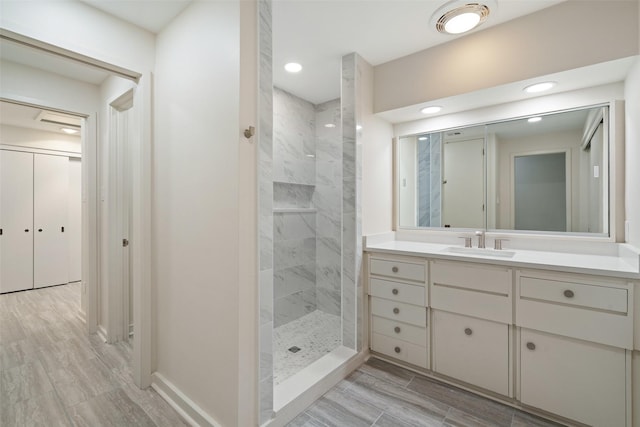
point(188, 410)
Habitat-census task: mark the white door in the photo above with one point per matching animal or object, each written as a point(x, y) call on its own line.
point(74, 224)
point(16, 221)
point(463, 184)
point(50, 192)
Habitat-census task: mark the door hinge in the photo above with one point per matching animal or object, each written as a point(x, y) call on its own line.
point(125, 243)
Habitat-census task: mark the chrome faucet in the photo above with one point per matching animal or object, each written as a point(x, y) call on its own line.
point(481, 238)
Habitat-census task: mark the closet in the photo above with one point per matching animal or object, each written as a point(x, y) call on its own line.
point(34, 220)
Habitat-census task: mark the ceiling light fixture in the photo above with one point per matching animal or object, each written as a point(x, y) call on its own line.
point(293, 67)
point(69, 131)
point(539, 87)
point(534, 119)
point(432, 109)
point(422, 138)
point(457, 17)
point(329, 125)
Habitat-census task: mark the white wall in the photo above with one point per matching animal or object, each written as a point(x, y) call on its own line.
point(195, 212)
point(377, 163)
point(632, 153)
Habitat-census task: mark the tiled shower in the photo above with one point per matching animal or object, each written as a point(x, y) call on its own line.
point(307, 231)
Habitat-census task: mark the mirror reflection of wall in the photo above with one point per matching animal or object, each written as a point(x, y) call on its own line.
point(548, 173)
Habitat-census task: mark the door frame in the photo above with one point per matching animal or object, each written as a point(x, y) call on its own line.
point(141, 195)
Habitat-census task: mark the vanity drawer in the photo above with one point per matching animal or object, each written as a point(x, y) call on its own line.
point(398, 330)
point(472, 350)
point(398, 269)
point(398, 349)
point(571, 293)
point(589, 312)
point(478, 291)
point(403, 292)
point(399, 311)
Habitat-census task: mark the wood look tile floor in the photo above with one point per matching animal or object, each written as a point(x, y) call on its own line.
point(384, 395)
point(53, 374)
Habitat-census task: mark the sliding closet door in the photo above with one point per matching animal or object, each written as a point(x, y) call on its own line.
point(16, 221)
point(50, 199)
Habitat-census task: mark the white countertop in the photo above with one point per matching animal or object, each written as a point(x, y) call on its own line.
point(603, 265)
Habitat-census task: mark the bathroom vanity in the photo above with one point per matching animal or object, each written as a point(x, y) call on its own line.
point(549, 332)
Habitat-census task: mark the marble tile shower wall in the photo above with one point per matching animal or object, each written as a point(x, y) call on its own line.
point(307, 161)
point(327, 199)
point(294, 219)
point(429, 188)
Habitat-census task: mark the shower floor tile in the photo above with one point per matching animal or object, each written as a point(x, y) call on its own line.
point(315, 334)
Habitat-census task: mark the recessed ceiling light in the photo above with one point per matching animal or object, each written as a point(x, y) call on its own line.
point(293, 67)
point(534, 119)
point(539, 87)
point(69, 130)
point(457, 17)
point(422, 138)
point(432, 109)
point(329, 125)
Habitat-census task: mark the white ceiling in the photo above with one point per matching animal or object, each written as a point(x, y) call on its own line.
point(317, 33)
point(26, 117)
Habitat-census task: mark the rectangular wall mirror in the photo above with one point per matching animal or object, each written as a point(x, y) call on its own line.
point(548, 173)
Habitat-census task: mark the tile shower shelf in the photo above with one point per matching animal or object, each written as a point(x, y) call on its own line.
point(294, 210)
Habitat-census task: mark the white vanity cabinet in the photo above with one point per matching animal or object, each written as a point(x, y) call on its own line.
point(471, 317)
point(575, 335)
point(398, 313)
point(555, 343)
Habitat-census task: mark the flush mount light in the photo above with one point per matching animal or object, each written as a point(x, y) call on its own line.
point(539, 87)
point(534, 119)
point(457, 17)
point(329, 125)
point(69, 131)
point(432, 109)
point(293, 67)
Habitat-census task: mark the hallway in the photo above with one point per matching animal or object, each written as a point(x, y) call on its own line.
point(53, 374)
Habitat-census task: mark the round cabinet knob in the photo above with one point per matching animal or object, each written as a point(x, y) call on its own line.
point(531, 346)
point(397, 349)
point(395, 292)
point(396, 310)
point(468, 331)
point(396, 329)
point(568, 293)
point(26, 230)
point(39, 230)
point(394, 269)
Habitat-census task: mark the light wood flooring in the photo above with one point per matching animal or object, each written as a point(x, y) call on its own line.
point(53, 374)
point(384, 395)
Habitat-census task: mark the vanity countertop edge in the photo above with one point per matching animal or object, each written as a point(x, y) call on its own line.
point(599, 265)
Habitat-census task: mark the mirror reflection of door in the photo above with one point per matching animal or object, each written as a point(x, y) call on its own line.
point(463, 184)
point(595, 193)
point(540, 192)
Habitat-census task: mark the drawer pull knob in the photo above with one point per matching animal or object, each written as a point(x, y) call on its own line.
point(468, 331)
point(397, 349)
point(568, 293)
point(394, 269)
point(395, 292)
point(396, 310)
point(396, 329)
point(531, 346)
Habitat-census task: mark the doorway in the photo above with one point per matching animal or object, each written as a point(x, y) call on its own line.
point(97, 171)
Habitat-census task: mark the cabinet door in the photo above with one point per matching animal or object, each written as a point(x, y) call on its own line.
point(472, 350)
point(16, 221)
point(50, 203)
point(576, 379)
